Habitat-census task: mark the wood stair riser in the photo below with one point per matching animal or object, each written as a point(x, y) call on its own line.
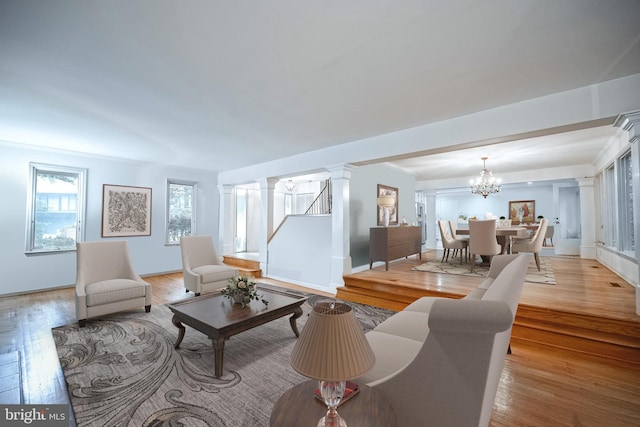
point(593, 335)
point(246, 267)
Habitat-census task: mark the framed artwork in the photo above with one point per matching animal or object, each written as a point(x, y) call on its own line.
point(522, 211)
point(126, 211)
point(384, 190)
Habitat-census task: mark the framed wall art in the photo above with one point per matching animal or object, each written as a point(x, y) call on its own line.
point(522, 211)
point(390, 211)
point(126, 211)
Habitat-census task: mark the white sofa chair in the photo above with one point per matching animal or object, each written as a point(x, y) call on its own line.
point(106, 281)
point(438, 361)
point(202, 269)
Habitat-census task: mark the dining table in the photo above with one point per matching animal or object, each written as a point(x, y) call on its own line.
point(503, 235)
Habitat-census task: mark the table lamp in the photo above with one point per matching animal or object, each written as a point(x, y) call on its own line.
point(385, 203)
point(332, 349)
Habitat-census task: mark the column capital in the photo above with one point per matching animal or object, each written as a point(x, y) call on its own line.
point(587, 181)
point(269, 183)
point(627, 120)
point(630, 122)
point(226, 188)
point(342, 170)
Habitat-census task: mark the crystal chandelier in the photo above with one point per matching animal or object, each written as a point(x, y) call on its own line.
point(486, 183)
point(290, 185)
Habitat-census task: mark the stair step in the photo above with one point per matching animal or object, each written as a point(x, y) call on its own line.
point(602, 337)
point(245, 266)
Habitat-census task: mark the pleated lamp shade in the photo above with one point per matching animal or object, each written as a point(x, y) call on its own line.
point(332, 346)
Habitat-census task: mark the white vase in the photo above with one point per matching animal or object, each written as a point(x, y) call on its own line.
point(238, 297)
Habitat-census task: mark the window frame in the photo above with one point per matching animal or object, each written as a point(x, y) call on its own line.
point(626, 238)
point(80, 208)
point(194, 198)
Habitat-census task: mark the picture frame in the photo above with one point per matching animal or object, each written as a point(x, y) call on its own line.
point(126, 211)
point(522, 211)
point(385, 190)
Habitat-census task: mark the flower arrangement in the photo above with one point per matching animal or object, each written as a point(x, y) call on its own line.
point(242, 290)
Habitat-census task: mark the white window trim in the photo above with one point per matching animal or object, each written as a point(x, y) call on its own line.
point(167, 208)
point(34, 168)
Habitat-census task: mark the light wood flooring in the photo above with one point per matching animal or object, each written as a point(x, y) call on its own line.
point(540, 386)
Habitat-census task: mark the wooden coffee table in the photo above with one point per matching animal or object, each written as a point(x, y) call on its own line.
point(299, 407)
point(219, 318)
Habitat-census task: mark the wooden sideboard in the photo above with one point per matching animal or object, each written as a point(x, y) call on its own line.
point(389, 243)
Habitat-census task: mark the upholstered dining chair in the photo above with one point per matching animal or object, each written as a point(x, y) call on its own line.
point(454, 230)
point(448, 242)
point(202, 269)
point(548, 235)
point(482, 240)
point(533, 244)
point(106, 281)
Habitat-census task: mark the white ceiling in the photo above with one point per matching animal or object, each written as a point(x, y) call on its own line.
point(231, 84)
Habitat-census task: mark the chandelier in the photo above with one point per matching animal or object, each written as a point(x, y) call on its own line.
point(486, 183)
point(290, 185)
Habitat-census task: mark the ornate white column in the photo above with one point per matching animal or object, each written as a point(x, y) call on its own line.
point(267, 187)
point(226, 222)
point(631, 123)
point(587, 218)
point(340, 230)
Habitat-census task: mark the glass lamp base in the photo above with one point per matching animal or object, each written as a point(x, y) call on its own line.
point(328, 421)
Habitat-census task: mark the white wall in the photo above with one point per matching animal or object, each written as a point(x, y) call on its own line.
point(363, 189)
point(23, 273)
point(450, 205)
point(300, 252)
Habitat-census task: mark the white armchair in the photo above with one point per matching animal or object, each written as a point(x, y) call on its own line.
point(106, 281)
point(202, 269)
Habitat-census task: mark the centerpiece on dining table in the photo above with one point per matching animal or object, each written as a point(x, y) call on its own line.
point(242, 290)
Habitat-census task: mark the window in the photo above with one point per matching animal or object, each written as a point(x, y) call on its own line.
point(626, 232)
point(56, 208)
point(609, 204)
point(181, 210)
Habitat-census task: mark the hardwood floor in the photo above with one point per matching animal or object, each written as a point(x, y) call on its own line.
point(539, 385)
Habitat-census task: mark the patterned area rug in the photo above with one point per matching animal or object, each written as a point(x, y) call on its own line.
point(544, 276)
point(123, 370)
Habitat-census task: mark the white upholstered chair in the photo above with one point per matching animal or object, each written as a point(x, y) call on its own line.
point(533, 244)
point(106, 281)
point(482, 240)
point(548, 235)
point(454, 231)
point(202, 269)
point(448, 242)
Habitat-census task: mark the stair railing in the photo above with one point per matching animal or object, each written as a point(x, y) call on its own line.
point(322, 204)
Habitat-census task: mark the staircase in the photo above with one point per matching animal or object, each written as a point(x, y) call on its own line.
point(246, 263)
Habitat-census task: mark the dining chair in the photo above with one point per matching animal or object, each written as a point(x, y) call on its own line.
point(448, 242)
point(548, 235)
point(533, 244)
point(482, 240)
